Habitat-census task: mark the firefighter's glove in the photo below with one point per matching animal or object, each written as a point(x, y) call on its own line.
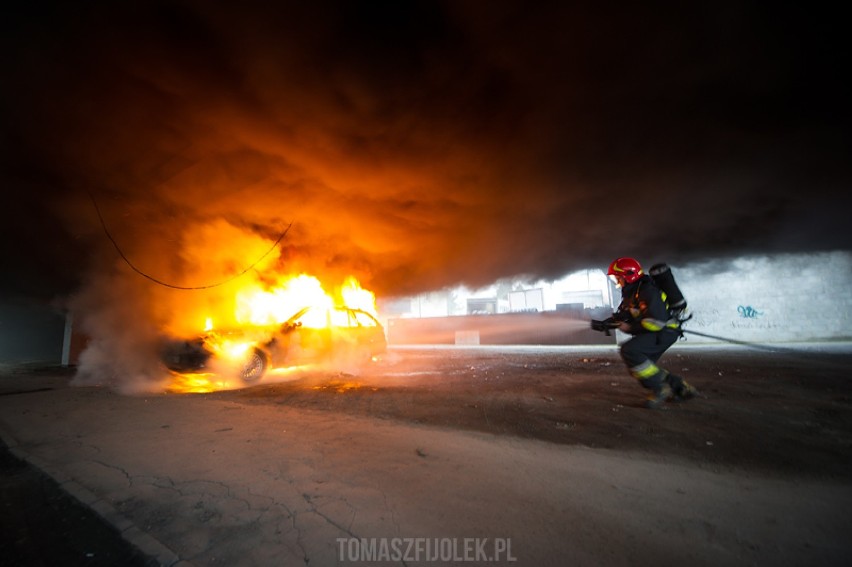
point(605, 326)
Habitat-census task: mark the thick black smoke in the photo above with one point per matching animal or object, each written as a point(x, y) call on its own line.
point(419, 145)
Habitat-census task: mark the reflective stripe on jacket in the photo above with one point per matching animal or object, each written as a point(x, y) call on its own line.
point(643, 307)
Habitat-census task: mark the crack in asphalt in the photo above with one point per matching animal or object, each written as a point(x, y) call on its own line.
point(127, 475)
point(312, 508)
point(183, 490)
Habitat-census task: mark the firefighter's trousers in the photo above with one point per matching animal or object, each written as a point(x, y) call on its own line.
point(640, 354)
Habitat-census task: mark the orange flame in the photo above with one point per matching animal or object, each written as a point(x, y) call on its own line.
point(247, 311)
point(258, 310)
point(256, 306)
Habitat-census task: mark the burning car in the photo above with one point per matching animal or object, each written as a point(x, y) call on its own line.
point(312, 335)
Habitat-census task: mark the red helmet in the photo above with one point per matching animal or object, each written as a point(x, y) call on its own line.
point(627, 268)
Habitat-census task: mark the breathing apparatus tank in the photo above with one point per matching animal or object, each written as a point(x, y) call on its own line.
point(663, 277)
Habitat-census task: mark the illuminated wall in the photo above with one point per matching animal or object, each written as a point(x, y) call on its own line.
point(771, 299)
point(783, 298)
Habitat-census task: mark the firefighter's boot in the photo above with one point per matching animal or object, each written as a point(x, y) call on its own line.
point(655, 379)
point(659, 397)
point(681, 388)
point(687, 392)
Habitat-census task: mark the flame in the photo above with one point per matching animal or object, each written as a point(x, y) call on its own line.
point(356, 297)
point(208, 382)
point(229, 349)
point(256, 306)
point(258, 311)
point(245, 314)
point(199, 383)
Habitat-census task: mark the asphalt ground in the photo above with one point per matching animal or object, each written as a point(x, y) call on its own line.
point(437, 434)
point(42, 525)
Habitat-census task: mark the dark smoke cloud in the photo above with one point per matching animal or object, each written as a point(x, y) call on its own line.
point(419, 145)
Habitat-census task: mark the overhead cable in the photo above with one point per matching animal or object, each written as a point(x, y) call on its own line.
point(172, 286)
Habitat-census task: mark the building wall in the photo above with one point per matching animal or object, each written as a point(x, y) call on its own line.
point(761, 299)
point(31, 333)
point(803, 297)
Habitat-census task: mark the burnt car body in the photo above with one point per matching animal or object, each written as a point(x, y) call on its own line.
point(350, 335)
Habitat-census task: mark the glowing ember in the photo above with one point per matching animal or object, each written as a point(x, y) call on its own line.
point(341, 386)
point(199, 383)
point(207, 382)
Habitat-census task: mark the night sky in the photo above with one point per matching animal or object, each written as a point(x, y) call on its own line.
point(418, 145)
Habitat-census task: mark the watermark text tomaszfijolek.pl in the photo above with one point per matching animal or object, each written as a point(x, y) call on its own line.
point(425, 549)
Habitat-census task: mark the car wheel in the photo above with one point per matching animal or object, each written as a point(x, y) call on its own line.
point(255, 366)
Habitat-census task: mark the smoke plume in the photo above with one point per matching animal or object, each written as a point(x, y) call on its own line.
point(413, 145)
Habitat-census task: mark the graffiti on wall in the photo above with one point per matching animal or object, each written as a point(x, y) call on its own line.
point(749, 312)
point(705, 318)
point(749, 319)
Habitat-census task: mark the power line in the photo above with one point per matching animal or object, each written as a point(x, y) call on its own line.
point(166, 284)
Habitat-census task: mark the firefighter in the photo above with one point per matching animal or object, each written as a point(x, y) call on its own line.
point(644, 314)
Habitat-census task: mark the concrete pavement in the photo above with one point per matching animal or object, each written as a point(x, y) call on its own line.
point(207, 479)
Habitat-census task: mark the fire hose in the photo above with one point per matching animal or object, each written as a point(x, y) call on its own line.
point(607, 325)
point(735, 341)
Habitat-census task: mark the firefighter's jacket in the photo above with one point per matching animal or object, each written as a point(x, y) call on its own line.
point(643, 307)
